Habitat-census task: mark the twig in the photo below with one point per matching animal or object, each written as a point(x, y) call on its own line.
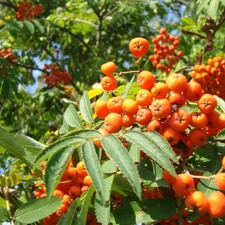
point(74, 35)
point(28, 67)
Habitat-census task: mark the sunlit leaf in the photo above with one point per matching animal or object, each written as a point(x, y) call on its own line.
point(103, 211)
point(94, 168)
point(152, 148)
point(37, 209)
point(85, 108)
point(213, 8)
point(54, 147)
point(95, 92)
point(55, 167)
point(71, 117)
point(120, 156)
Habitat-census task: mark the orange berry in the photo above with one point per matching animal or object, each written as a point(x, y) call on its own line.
point(171, 135)
point(139, 46)
point(144, 97)
point(145, 80)
point(183, 185)
point(176, 82)
point(143, 116)
point(179, 120)
point(207, 103)
point(216, 204)
point(160, 90)
point(81, 170)
point(168, 177)
point(220, 181)
point(130, 106)
point(108, 68)
point(114, 104)
point(113, 122)
point(101, 109)
point(197, 201)
point(193, 91)
point(161, 108)
point(109, 83)
point(198, 137)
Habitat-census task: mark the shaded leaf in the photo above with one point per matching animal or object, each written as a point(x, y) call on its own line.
point(207, 186)
point(120, 156)
point(37, 209)
point(103, 211)
point(81, 219)
point(38, 25)
point(71, 215)
point(55, 167)
point(4, 215)
point(85, 108)
point(29, 26)
point(94, 168)
point(71, 117)
point(152, 149)
point(9, 142)
point(146, 211)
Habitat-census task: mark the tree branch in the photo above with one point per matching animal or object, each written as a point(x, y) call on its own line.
point(28, 67)
point(74, 35)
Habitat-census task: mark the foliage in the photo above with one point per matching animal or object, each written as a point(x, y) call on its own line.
point(50, 80)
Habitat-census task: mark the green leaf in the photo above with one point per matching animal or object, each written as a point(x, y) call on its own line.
point(94, 168)
point(202, 5)
point(103, 211)
point(39, 26)
point(152, 148)
point(188, 20)
point(223, 2)
point(81, 219)
point(86, 133)
point(127, 88)
point(29, 26)
point(221, 135)
point(37, 209)
point(164, 145)
point(122, 186)
point(220, 102)
point(213, 8)
point(207, 186)
point(9, 142)
point(4, 215)
point(150, 172)
point(71, 215)
point(30, 144)
point(55, 167)
point(146, 211)
point(85, 108)
point(64, 128)
point(120, 156)
point(71, 117)
point(54, 147)
point(14, 27)
point(108, 167)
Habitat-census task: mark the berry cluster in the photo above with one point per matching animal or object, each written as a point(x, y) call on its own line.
point(55, 75)
point(211, 76)
point(212, 205)
point(27, 10)
point(158, 106)
point(166, 54)
point(9, 56)
point(73, 183)
point(164, 108)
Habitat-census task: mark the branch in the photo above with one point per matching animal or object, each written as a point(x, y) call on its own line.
point(28, 67)
point(49, 53)
point(74, 35)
